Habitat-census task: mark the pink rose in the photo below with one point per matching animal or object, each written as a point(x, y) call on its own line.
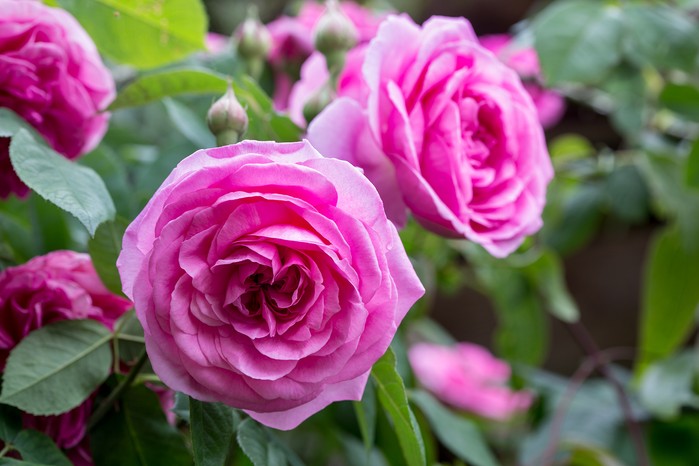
point(292, 41)
point(468, 377)
point(315, 75)
point(268, 278)
point(550, 105)
point(52, 76)
point(448, 132)
point(61, 285)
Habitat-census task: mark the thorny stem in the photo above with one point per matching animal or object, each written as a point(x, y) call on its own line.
point(588, 344)
point(105, 406)
point(584, 371)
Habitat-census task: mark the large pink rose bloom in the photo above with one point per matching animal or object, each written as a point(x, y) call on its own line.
point(550, 105)
point(448, 132)
point(267, 277)
point(292, 41)
point(61, 285)
point(52, 76)
point(468, 377)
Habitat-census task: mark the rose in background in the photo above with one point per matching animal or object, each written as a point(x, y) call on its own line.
point(52, 76)
point(469, 378)
point(61, 285)
point(550, 105)
point(315, 76)
point(267, 277)
point(447, 132)
point(292, 41)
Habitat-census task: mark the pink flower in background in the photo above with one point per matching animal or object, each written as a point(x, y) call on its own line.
point(267, 277)
point(447, 132)
point(315, 75)
point(52, 76)
point(215, 42)
point(292, 41)
point(550, 105)
point(468, 377)
point(61, 285)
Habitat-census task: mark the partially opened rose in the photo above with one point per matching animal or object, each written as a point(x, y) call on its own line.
point(267, 277)
point(468, 377)
point(61, 285)
point(448, 132)
point(52, 76)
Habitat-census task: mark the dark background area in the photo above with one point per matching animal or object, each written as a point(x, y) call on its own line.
point(604, 277)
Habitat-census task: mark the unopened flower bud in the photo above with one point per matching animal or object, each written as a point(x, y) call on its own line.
point(227, 119)
point(334, 32)
point(253, 39)
point(317, 103)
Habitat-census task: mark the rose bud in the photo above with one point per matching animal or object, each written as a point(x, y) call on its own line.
point(227, 119)
point(254, 42)
point(334, 36)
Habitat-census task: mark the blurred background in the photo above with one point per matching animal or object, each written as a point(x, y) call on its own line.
point(604, 274)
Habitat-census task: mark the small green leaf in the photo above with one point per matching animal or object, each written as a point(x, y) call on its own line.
point(627, 195)
point(547, 274)
point(74, 188)
point(104, 249)
point(189, 124)
point(142, 34)
point(213, 429)
point(262, 446)
point(10, 123)
point(394, 400)
point(156, 86)
point(666, 385)
point(578, 40)
point(137, 434)
point(55, 368)
point(181, 408)
point(670, 296)
point(458, 434)
point(691, 171)
point(682, 99)
point(10, 423)
point(37, 447)
point(365, 410)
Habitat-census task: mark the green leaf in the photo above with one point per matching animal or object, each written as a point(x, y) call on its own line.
point(156, 86)
point(547, 274)
point(578, 40)
point(660, 36)
point(189, 124)
point(627, 89)
point(13, 462)
point(666, 385)
point(181, 408)
point(627, 195)
point(591, 455)
point(104, 249)
point(145, 34)
point(55, 368)
point(10, 123)
point(262, 446)
point(10, 423)
point(674, 443)
point(691, 171)
point(458, 434)
point(682, 99)
point(365, 410)
point(582, 215)
point(670, 295)
point(74, 188)
point(137, 434)
point(394, 400)
point(213, 429)
point(37, 447)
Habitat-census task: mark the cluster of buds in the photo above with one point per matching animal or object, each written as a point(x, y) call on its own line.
point(227, 119)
